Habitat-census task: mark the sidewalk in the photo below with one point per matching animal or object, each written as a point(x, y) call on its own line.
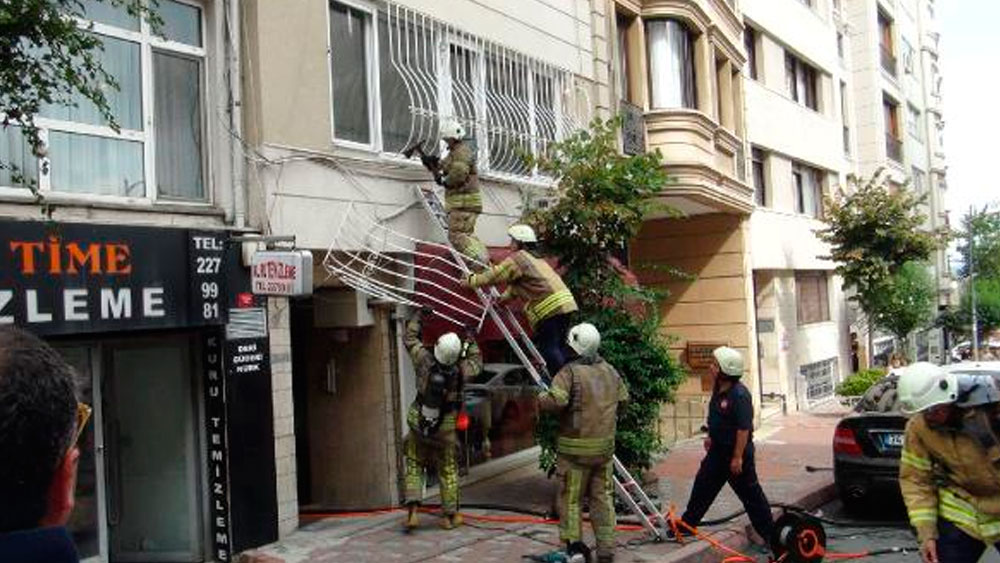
point(785, 446)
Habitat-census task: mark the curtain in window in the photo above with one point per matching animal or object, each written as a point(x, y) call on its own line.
point(622, 26)
point(671, 64)
point(96, 165)
point(16, 158)
point(178, 126)
point(349, 65)
point(791, 82)
point(408, 46)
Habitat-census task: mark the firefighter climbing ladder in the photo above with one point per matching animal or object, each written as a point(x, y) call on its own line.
point(626, 485)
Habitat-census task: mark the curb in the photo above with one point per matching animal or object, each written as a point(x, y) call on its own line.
point(699, 551)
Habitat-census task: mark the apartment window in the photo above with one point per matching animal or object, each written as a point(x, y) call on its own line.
point(886, 44)
point(913, 123)
point(893, 139)
point(813, 300)
point(350, 61)
point(840, 46)
point(758, 158)
point(671, 64)
point(159, 151)
point(919, 178)
point(808, 184)
point(623, 24)
point(801, 81)
point(750, 42)
point(907, 53)
point(844, 118)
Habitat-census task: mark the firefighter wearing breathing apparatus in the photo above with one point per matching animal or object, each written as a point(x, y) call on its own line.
point(548, 302)
point(432, 440)
point(586, 393)
point(950, 465)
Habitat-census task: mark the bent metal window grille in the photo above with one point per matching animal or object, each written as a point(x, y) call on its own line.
point(397, 72)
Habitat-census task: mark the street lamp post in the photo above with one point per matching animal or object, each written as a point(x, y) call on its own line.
point(972, 283)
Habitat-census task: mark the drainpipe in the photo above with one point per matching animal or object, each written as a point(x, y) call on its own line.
point(232, 21)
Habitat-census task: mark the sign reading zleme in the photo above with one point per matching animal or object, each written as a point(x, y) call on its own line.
point(286, 273)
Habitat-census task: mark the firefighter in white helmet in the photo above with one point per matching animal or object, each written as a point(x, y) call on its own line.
point(586, 394)
point(548, 302)
point(462, 200)
point(950, 465)
point(432, 440)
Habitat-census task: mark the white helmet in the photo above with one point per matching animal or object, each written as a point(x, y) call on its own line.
point(447, 349)
point(730, 361)
point(584, 339)
point(976, 390)
point(450, 128)
point(522, 233)
point(924, 385)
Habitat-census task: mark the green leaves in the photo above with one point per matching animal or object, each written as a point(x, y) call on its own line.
point(905, 302)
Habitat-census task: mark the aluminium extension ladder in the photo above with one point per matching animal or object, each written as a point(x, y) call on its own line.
point(627, 487)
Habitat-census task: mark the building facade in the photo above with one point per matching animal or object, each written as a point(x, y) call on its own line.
point(128, 262)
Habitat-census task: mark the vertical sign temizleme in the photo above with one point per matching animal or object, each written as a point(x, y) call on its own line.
point(218, 455)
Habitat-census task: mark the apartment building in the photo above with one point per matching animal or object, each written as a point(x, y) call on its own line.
point(126, 263)
point(802, 138)
point(896, 84)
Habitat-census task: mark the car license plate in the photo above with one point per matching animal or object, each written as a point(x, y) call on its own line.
point(892, 439)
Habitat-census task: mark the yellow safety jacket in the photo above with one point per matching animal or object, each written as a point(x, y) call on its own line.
point(534, 281)
point(461, 180)
point(586, 392)
point(946, 473)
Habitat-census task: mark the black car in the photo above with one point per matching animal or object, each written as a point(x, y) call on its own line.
point(868, 442)
point(867, 446)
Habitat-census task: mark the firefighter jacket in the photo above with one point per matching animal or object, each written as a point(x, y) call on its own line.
point(533, 280)
point(460, 179)
point(469, 365)
point(586, 392)
point(948, 473)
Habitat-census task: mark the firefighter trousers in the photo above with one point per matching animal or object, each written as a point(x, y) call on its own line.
point(462, 235)
point(591, 478)
point(714, 473)
point(437, 452)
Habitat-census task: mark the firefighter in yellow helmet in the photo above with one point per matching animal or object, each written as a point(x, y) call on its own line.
point(586, 393)
point(432, 440)
point(549, 302)
point(950, 465)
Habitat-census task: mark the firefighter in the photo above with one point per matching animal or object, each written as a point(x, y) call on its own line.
point(462, 200)
point(729, 449)
point(432, 440)
point(549, 303)
point(586, 393)
point(950, 465)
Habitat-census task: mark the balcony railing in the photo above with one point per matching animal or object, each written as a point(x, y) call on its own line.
point(894, 148)
point(888, 60)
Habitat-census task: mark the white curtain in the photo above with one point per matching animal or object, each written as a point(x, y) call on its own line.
point(671, 64)
point(178, 126)
point(96, 165)
point(349, 61)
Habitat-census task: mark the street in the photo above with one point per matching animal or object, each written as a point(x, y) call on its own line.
point(866, 538)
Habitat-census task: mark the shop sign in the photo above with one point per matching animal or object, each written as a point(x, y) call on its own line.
point(286, 273)
point(218, 454)
point(699, 359)
point(68, 278)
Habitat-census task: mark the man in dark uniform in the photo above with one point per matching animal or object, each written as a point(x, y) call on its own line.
point(729, 447)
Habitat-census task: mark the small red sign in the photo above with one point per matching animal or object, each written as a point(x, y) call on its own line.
point(244, 300)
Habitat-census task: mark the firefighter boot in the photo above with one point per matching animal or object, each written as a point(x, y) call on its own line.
point(412, 518)
point(452, 521)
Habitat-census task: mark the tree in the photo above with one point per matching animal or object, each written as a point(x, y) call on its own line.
point(984, 227)
point(906, 301)
point(873, 233)
point(987, 309)
point(51, 59)
point(600, 202)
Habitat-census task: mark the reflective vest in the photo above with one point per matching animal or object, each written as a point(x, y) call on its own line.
point(533, 280)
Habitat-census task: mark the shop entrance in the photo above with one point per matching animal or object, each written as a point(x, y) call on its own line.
point(139, 494)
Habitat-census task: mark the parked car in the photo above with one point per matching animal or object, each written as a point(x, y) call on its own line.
point(867, 442)
point(502, 411)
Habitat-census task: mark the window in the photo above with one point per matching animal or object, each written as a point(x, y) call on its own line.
point(813, 301)
point(800, 81)
point(919, 179)
point(350, 53)
point(908, 58)
point(398, 43)
point(671, 65)
point(844, 118)
point(808, 183)
point(840, 46)
point(886, 45)
point(893, 139)
point(758, 158)
point(160, 150)
point(750, 42)
point(913, 123)
point(623, 25)
point(808, 3)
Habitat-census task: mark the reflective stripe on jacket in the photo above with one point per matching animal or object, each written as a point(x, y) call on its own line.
point(586, 393)
point(461, 181)
point(945, 473)
point(533, 280)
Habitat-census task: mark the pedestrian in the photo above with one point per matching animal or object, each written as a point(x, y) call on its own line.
point(40, 422)
point(729, 449)
point(586, 393)
point(949, 471)
point(549, 303)
point(432, 441)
